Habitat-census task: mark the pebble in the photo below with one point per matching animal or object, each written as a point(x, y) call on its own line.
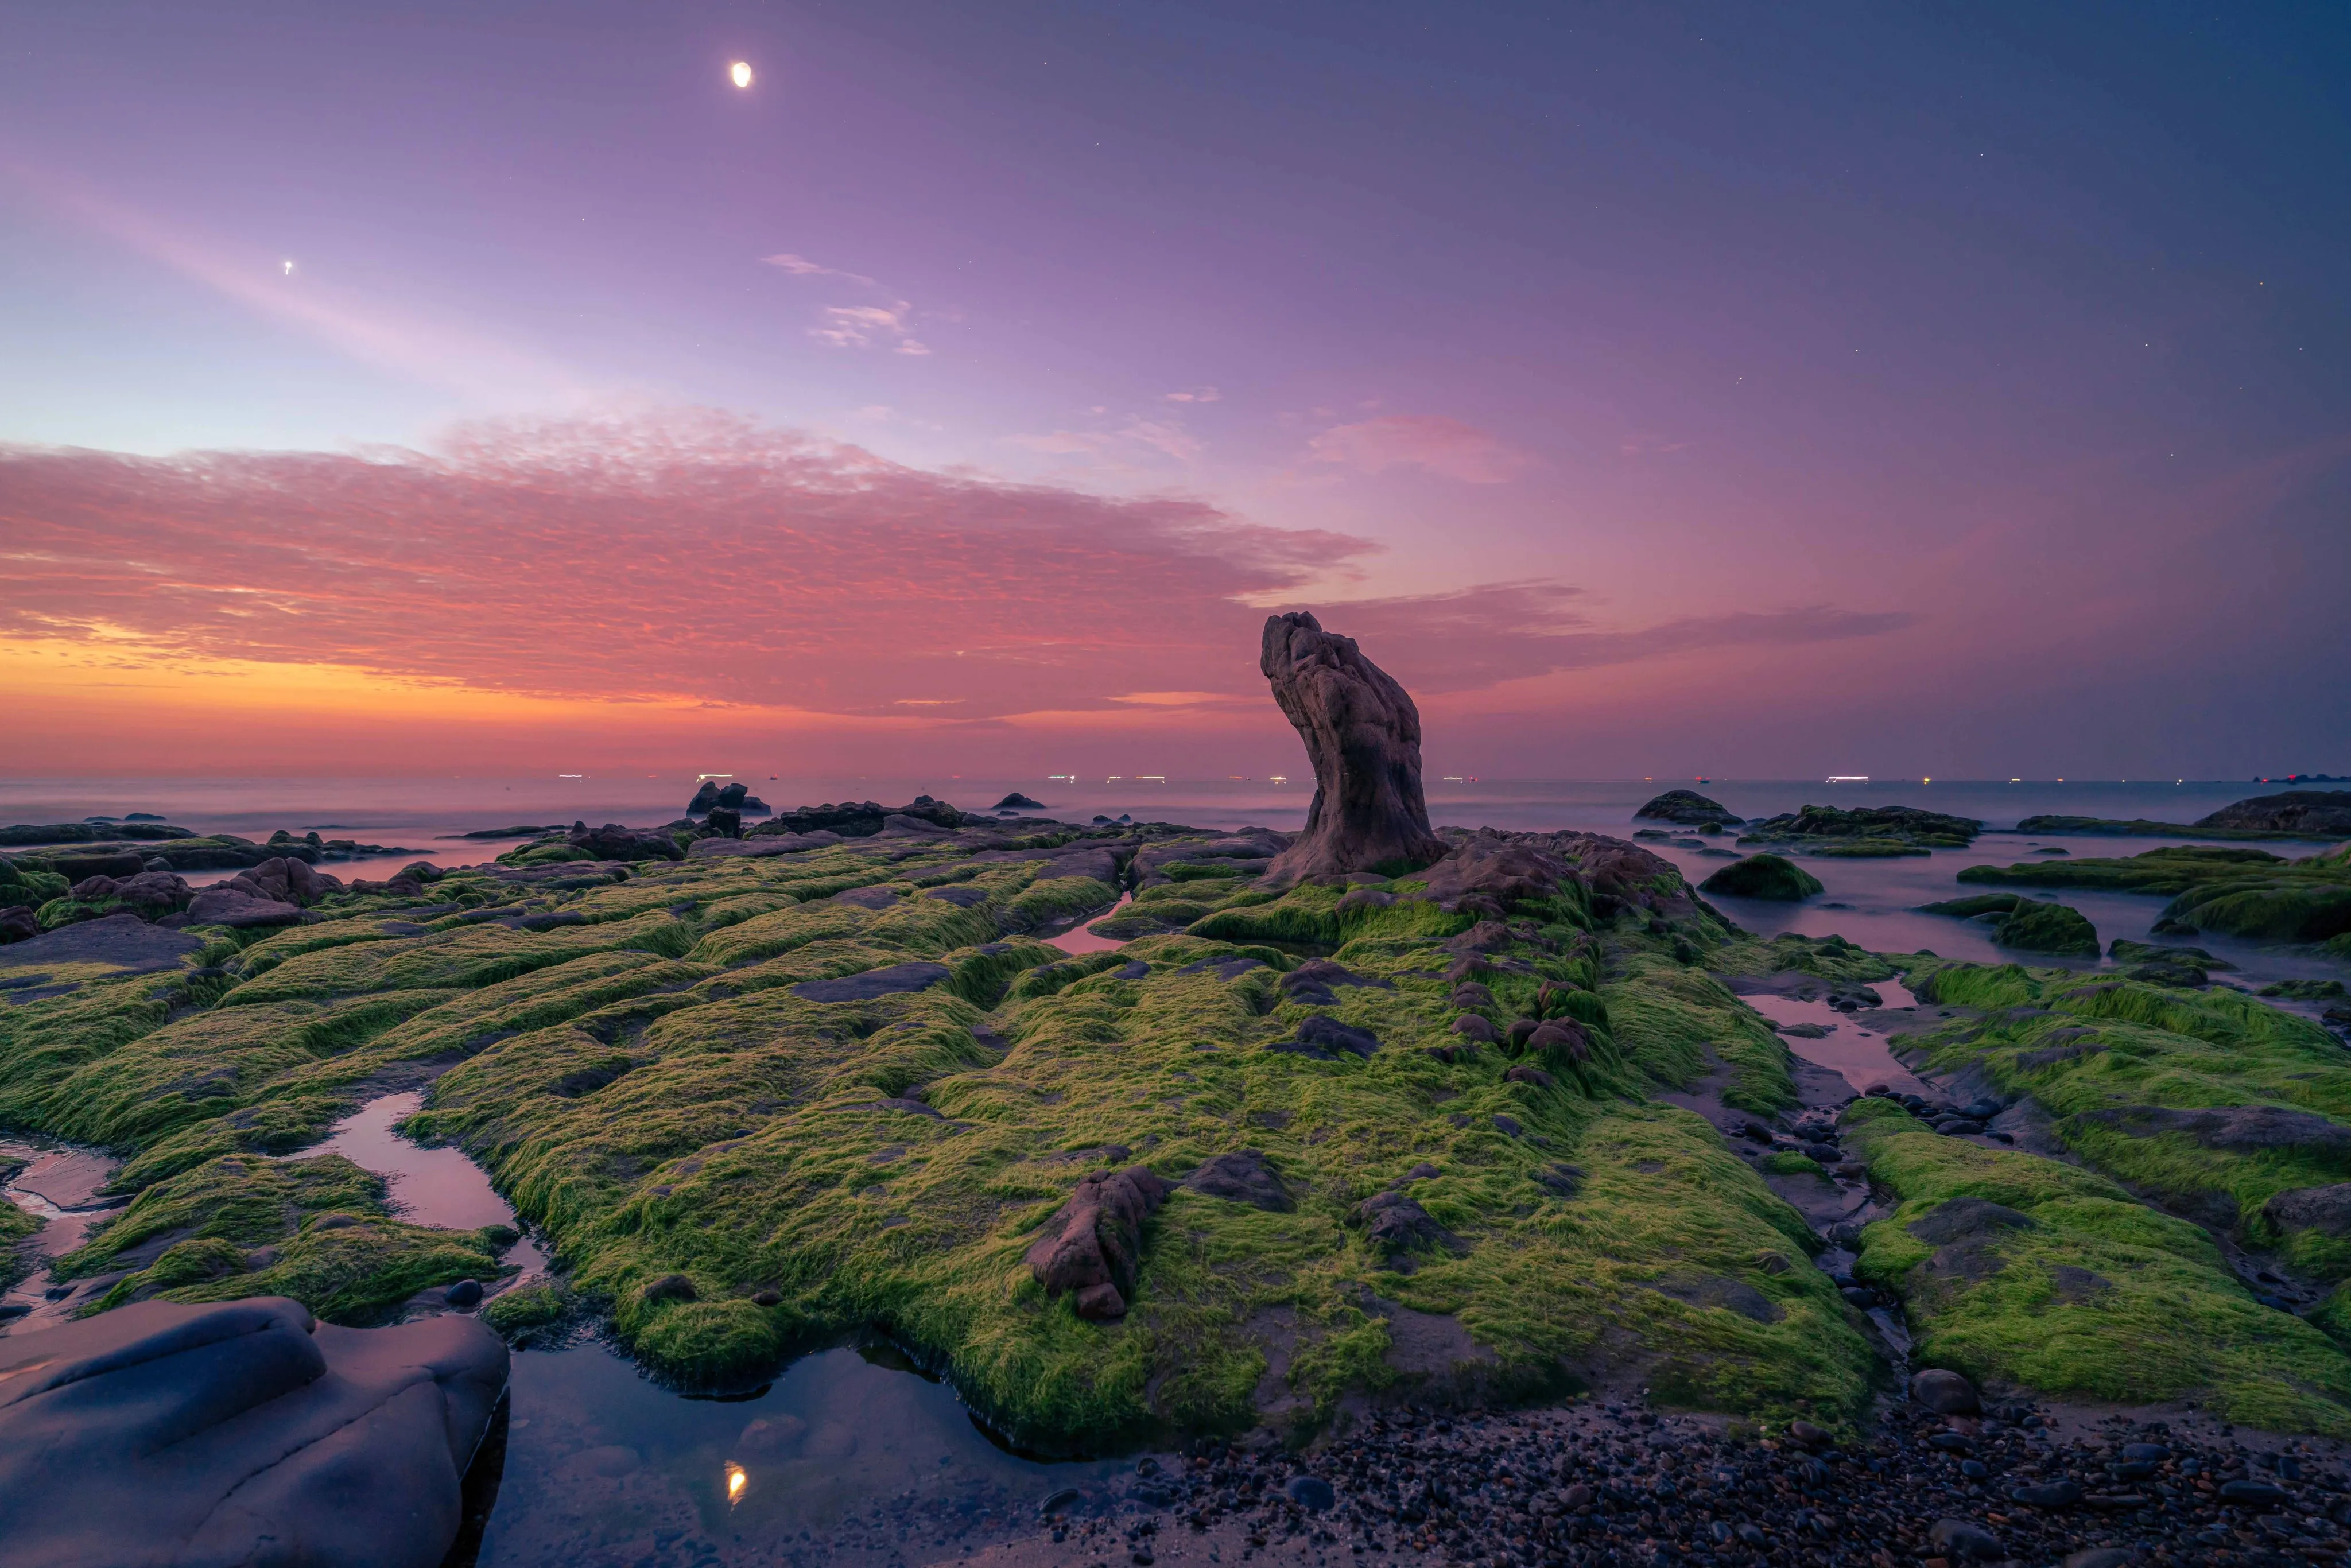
point(1615, 1484)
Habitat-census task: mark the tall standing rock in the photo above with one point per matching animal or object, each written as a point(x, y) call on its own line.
point(1363, 736)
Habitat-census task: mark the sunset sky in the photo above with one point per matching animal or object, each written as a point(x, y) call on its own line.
point(1751, 390)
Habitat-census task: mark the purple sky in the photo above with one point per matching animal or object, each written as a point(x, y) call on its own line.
point(1709, 389)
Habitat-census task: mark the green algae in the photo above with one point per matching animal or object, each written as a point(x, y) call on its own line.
point(724, 1166)
point(2114, 1061)
point(2248, 893)
point(2021, 1271)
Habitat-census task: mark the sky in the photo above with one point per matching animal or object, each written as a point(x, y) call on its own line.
point(1655, 391)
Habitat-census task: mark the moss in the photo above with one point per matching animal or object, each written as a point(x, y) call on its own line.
point(2078, 1290)
point(527, 1308)
point(1787, 1163)
point(2093, 1050)
point(2248, 893)
point(642, 1081)
point(1766, 876)
point(2033, 926)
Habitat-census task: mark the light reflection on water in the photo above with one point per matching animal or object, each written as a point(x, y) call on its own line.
point(59, 1185)
point(440, 1186)
point(1859, 1055)
point(841, 1457)
point(1081, 938)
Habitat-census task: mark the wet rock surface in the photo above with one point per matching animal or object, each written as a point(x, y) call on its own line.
point(243, 1432)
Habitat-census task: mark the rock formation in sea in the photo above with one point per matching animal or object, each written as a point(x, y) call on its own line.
point(1363, 737)
point(2321, 813)
point(1688, 808)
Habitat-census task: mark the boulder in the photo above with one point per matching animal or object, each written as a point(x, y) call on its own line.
point(241, 1433)
point(1764, 877)
point(2325, 1209)
point(286, 880)
point(1395, 1227)
point(1687, 807)
point(18, 923)
point(1944, 1392)
point(1017, 801)
point(704, 799)
point(1093, 1243)
point(239, 907)
point(1362, 738)
point(1323, 1036)
point(2321, 813)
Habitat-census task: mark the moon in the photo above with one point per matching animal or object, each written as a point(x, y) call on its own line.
point(741, 73)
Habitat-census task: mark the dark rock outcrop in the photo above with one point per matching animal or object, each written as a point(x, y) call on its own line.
point(1017, 801)
point(239, 908)
point(2321, 813)
point(1093, 1243)
point(882, 982)
point(1763, 876)
point(1363, 737)
point(286, 880)
point(1396, 1227)
point(2325, 1209)
point(1486, 875)
point(2249, 1128)
point(241, 1433)
point(614, 843)
point(1688, 808)
point(858, 820)
point(1899, 824)
point(1322, 1037)
point(1242, 1177)
point(89, 833)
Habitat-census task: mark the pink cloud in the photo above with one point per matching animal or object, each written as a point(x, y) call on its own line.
point(1429, 442)
point(801, 267)
point(701, 559)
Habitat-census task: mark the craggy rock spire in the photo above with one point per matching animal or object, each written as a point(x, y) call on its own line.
point(1362, 735)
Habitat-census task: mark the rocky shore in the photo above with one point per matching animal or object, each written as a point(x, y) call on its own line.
point(1364, 1137)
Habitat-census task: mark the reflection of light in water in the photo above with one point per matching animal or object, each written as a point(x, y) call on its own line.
point(736, 1481)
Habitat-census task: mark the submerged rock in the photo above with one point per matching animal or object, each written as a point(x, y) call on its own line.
point(1363, 737)
point(1763, 876)
point(241, 1433)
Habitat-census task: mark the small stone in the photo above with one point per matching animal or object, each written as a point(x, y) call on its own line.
point(1804, 1435)
point(1311, 1493)
point(2058, 1493)
point(2249, 1493)
point(2101, 1557)
point(1966, 1541)
point(463, 1293)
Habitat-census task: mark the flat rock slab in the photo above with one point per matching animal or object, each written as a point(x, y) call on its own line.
point(123, 942)
point(873, 983)
point(207, 1436)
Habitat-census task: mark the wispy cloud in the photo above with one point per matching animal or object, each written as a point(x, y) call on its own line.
point(1428, 442)
point(1136, 438)
point(1193, 394)
point(869, 326)
point(889, 327)
point(801, 267)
